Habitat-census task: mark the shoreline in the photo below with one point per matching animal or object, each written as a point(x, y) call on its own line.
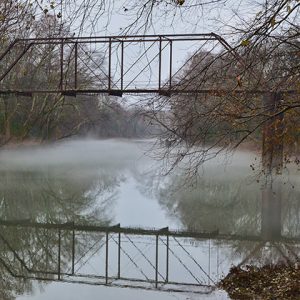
point(268, 282)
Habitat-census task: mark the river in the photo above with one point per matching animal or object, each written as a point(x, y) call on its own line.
point(109, 182)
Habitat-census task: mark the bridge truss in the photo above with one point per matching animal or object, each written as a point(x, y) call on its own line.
point(114, 65)
point(166, 260)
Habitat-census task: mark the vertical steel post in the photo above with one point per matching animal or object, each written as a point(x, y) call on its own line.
point(171, 62)
point(106, 259)
point(73, 251)
point(119, 256)
point(61, 65)
point(122, 65)
point(59, 250)
point(156, 262)
point(218, 262)
point(76, 65)
point(208, 261)
point(167, 260)
point(159, 62)
point(109, 65)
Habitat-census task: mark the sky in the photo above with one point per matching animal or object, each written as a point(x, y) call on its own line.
point(119, 14)
point(113, 17)
point(107, 17)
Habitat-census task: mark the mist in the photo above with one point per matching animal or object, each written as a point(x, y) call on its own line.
point(112, 153)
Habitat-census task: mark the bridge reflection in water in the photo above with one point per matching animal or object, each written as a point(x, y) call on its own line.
point(129, 257)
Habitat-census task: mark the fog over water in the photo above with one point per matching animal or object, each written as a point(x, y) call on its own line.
point(113, 164)
point(106, 182)
point(121, 169)
point(75, 152)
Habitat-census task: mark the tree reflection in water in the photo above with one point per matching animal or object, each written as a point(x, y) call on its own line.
point(235, 203)
point(49, 196)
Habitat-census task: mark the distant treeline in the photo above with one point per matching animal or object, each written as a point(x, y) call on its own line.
point(96, 116)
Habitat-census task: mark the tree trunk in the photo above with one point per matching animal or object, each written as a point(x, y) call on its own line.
point(271, 212)
point(7, 131)
point(272, 162)
point(273, 131)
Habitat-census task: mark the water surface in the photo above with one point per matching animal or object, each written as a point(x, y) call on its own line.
point(115, 181)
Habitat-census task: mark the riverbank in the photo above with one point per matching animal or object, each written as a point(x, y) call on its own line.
point(268, 282)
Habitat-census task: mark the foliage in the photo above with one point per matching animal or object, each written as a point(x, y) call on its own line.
point(251, 96)
point(54, 116)
point(268, 282)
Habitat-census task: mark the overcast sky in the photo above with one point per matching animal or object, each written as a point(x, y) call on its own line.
point(113, 17)
point(119, 14)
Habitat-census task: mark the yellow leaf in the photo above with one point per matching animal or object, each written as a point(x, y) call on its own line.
point(273, 22)
point(245, 43)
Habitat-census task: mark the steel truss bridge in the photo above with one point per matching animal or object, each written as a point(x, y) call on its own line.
point(119, 67)
point(62, 252)
point(116, 65)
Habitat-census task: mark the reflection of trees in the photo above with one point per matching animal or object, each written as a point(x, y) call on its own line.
point(233, 205)
point(48, 196)
point(229, 204)
point(10, 286)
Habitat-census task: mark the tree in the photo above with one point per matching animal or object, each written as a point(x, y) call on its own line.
point(264, 63)
point(47, 116)
point(227, 117)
